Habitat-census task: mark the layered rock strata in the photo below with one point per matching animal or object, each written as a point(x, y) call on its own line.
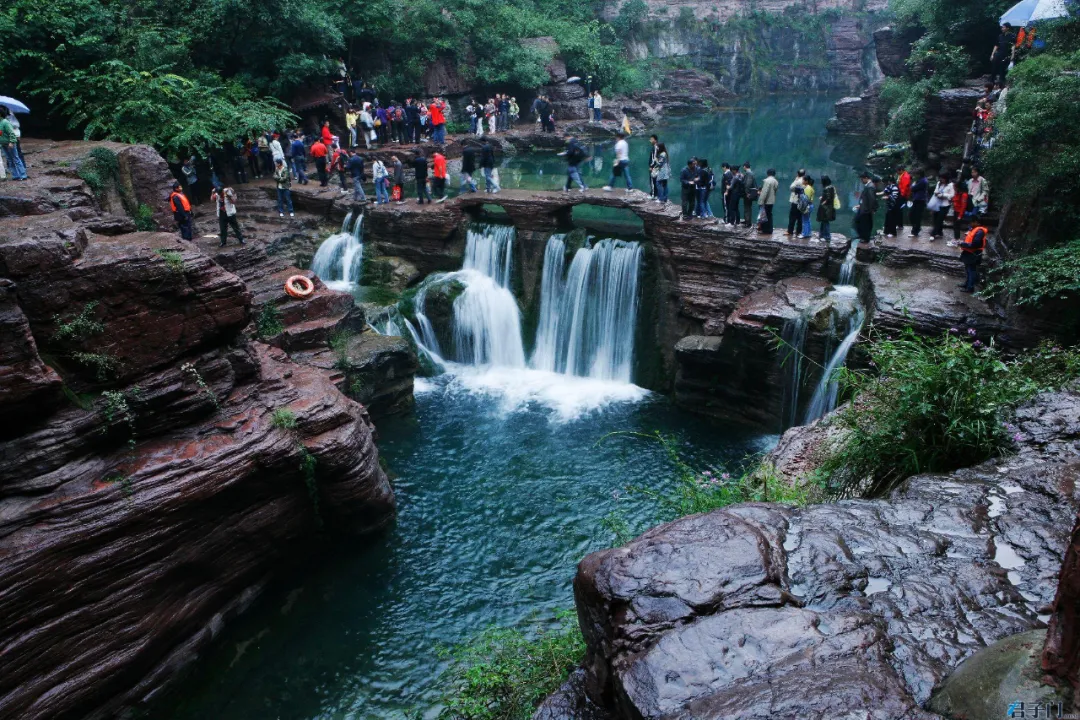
point(159, 465)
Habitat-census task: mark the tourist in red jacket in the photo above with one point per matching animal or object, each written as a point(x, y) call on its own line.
point(318, 153)
point(438, 120)
point(438, 176)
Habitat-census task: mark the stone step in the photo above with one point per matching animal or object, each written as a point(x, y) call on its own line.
point(907, 252)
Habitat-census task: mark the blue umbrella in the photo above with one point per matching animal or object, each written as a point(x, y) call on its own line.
point(13, 104)
point(1028, 11)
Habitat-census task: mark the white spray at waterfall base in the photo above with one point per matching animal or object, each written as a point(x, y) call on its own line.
point(585, 341)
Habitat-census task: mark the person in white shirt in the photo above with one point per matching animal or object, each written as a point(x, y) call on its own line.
point(224, 200)
point(943, 194)
point(622, 164)
point(597, 107)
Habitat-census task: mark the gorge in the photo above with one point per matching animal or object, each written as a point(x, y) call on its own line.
point(219, 500)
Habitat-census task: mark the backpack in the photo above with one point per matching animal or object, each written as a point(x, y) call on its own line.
point(803, 203)
point(399, 114)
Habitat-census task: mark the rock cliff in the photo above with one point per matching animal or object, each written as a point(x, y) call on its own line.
point(160, 465)
point(767, 611)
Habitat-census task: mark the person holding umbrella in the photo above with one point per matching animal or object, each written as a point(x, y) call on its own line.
point(8, 144)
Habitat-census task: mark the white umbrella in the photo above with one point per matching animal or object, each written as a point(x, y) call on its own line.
point(1026, 12)
point(13, 104)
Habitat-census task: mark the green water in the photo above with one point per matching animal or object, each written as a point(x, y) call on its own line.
point(495, 510)
point(496, 505)
point(785, 133)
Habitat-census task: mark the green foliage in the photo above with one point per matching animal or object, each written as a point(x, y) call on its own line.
point(504, 673)
point(283, 419)
point(173, 260)
point(113, 100)
point(1051, 273)
point(100, 170)
point(79, 327)
point(118, 408)
point(104, 365)
point(1036, 157)
point(84, 401)
point(126, 488)
point(936, 66)
point(933, 405)
point(356, 387)
point(144, 218)
point(631, 17)
point(268, 323)
point(193, 372)
point(696, 491)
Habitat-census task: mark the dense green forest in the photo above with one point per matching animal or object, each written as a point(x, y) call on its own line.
point(179, 76)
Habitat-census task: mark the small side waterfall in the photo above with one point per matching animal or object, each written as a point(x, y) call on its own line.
point(588, 320)
point(847, 270)
point(337, 262)
point(793, 335)
point(487, 323)
point(824, 399)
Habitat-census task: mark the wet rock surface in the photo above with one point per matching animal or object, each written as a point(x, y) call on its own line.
point(743, 375)
point(160, 465)
point(766, 611)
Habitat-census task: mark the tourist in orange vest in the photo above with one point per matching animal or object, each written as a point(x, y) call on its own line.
point(971, 251)
point(181, 210)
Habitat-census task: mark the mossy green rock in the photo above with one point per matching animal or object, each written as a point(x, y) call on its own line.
point(988, 682)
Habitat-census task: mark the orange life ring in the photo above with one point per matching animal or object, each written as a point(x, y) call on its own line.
point(299, 286)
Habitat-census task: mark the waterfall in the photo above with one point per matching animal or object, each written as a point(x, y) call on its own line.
point(847, 270)
point(552, 284)
point(794, 336)
point(337, 262)
point(489, 251)
point(585, 338)
point(828, 387)
point(425, 333)
point(487, 323)
point(588, 321)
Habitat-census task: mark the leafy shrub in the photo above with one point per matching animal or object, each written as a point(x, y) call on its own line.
point(173, 260)
point(1036, 156)
point(144, 218)
point(104, 365)
point(933, 405)
point(701, 490)
point(268, 323)
point(283, 419)
point(79, 327)
point(504, 673)
point(1052, 273)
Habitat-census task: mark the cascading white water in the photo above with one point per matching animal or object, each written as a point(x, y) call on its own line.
point(585, 341)
point(337, 262)
point(489, 250)
point(847, 270)
point(552, 285)
point(794, 336)
point(824, 399)
point(588, 320)
point(487, 323)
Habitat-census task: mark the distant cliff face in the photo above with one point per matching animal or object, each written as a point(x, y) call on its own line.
point(772, 50)
point(704, 10)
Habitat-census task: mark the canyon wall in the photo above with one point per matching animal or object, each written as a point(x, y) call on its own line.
point(161, 464)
